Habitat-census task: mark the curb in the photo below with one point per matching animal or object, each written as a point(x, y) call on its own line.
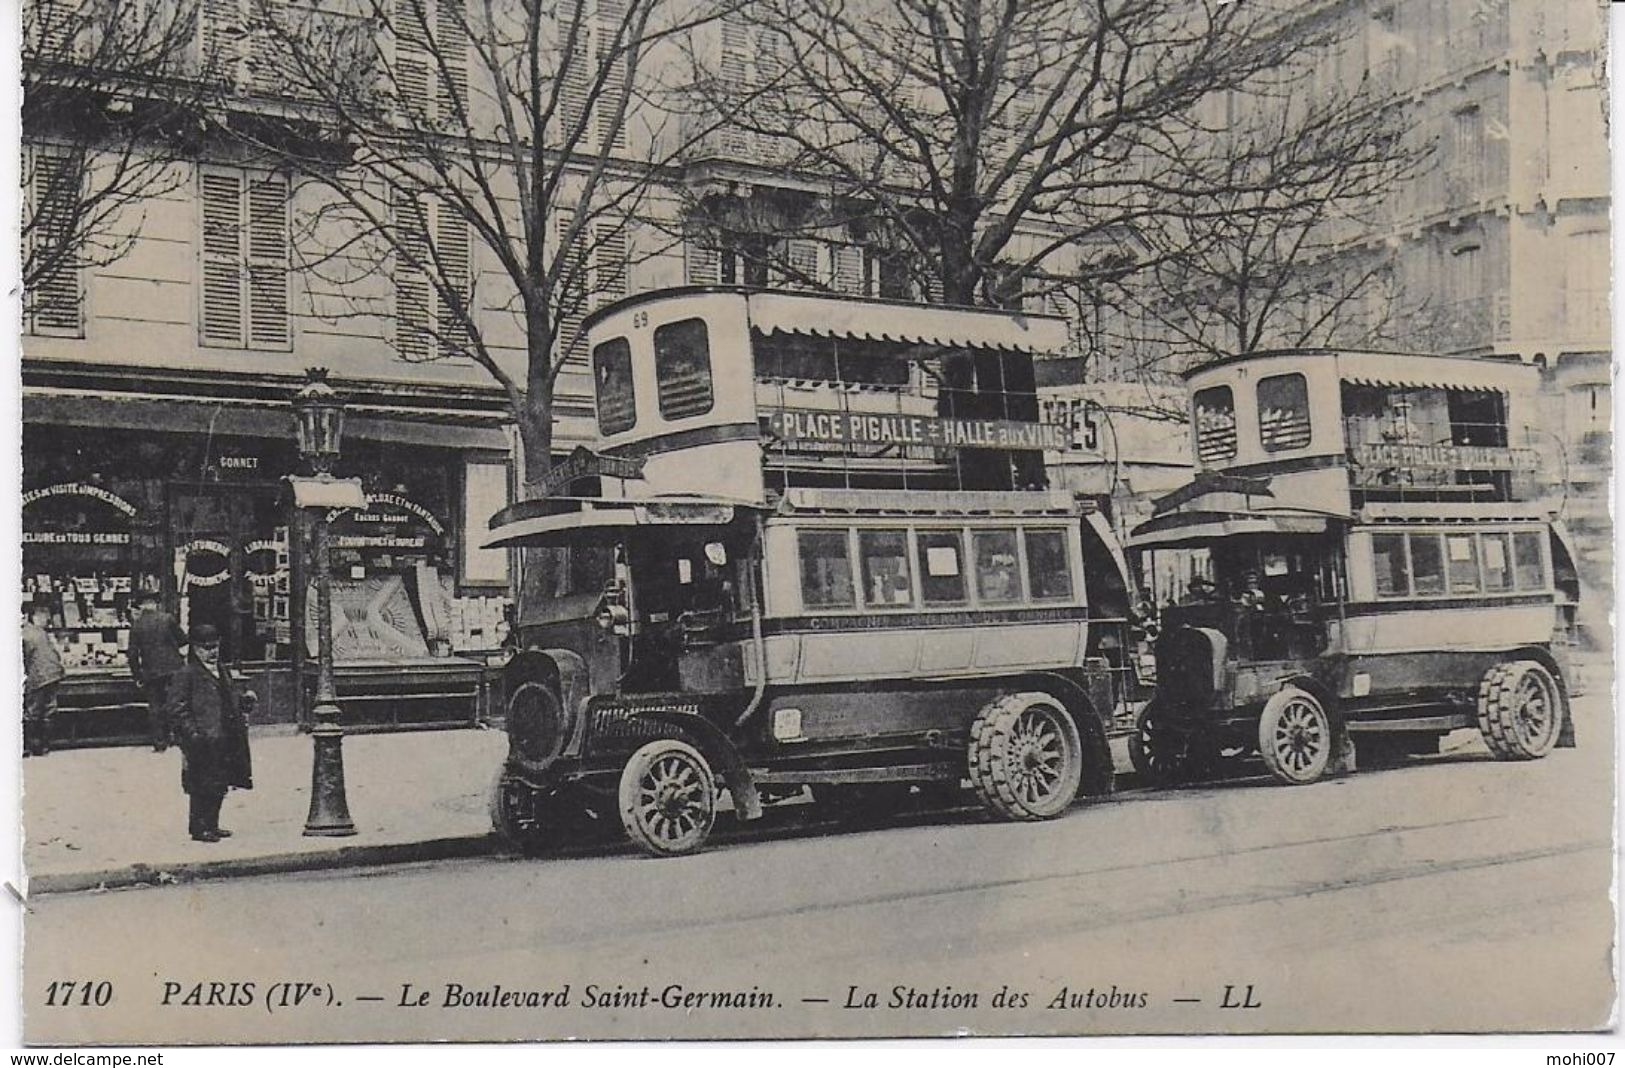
point(271, 864)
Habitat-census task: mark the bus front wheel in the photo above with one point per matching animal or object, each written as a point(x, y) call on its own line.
point(1295, 736)
point(668, 798)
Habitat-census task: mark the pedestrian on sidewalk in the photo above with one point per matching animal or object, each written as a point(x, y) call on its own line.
point(42, 673)
point(209, 710)
point(155, 659)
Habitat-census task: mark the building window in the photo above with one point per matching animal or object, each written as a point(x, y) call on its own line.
point(1427, 564)
point(826, 569)
point(53, 303)
point(1049, 570)
point(884, 556)
point(1388, 557)
point(245, 259)
point(683, 369)
point(1462, 552)
point(1283, 412)
point(1215, 414)
point(612, 377)
point(1497, 559)
point(942, 567)
point(998, 577)
point(591, 275)
point(432, 279)
point(1529, 564)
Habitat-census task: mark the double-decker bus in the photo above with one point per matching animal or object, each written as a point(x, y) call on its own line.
point(1384, 568)
point(811, 546)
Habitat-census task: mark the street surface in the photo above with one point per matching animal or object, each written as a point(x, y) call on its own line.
point(1456, 894)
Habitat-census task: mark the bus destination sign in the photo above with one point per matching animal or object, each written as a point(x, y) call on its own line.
point(1392, 455)
point(864, 428)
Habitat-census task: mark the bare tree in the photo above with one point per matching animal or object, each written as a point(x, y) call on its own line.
point(506, 144)
point(114, 93)
point(1290, 256)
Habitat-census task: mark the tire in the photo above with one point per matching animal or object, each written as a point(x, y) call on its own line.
point(1520, 710)
point(1026, 759)
point(1296, 737)
point(1166, 757)
point(668, 798)
point(519, 817)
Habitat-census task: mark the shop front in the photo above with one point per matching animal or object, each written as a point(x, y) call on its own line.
point(203, 517)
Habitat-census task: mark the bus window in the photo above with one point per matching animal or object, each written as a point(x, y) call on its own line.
point(1462, 552)
point(826, 569)
point(942, 567)
point(884, 554)
point(1049, 575)
point(683, 368)
point(1427, 564)
point(1215, 424)
point(1528, 564)
point(612, 370)
point(1283, 412)
point(1388, 556)
point(997, 579)
point(1497, 555)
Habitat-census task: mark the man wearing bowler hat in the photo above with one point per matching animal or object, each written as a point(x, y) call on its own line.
point(209, 710)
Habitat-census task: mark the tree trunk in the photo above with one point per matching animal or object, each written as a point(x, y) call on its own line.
point(535, 416)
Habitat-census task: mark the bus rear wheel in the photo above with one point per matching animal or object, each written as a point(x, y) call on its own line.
point(522, 818)
point(1026, 760)
point(1520, 710)
point(1295, 736)
point(668, 798)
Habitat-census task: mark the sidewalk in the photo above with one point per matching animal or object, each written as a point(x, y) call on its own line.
point(117, 817)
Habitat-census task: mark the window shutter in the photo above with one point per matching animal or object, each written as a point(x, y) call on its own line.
point(268, 320)
point(801, 260)
point(570, 292)
point(451, 37)
point(702, 265)
point(412, 58)
point(735, 72)
point(412, 294)
point(221, 194)
point(50, 28)
point(220, 38)
point(848, 269)
point(451, 242)
point(575, 90)
point(611, 15)
point(52, 304)
point(609, 259)
point(265, 73)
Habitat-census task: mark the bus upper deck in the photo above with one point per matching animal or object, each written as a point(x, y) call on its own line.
point(740, 394)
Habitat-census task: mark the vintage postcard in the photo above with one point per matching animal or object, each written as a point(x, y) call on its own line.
point(716, 519)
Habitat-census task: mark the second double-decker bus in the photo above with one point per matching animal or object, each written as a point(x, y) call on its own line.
point(812, 546)
point(1385, 568)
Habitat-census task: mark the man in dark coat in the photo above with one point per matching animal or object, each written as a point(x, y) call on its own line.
point(155, 658)
point(208, 708)
point(42, 674)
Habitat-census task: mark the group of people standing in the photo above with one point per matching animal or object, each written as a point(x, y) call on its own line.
point(193, 700)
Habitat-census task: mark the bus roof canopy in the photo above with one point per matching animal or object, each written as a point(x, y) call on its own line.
point(795, 313)
point(557, 527)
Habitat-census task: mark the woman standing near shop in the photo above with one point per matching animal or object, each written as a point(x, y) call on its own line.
point(209, 711)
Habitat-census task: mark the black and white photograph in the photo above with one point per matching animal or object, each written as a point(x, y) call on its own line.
point(554, 520)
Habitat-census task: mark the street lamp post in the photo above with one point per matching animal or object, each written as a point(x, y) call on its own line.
point(319, 414)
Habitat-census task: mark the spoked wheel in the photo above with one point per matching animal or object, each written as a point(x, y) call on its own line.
point(522, 818)
point(1520, 710)
point(1026, 760)
point(1295, 736)
point(668, 798)
point(1164, 756)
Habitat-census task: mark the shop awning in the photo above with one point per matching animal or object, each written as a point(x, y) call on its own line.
point(1198, 527)
point(571, 519)
point(788, 313)
point(1436, 372)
